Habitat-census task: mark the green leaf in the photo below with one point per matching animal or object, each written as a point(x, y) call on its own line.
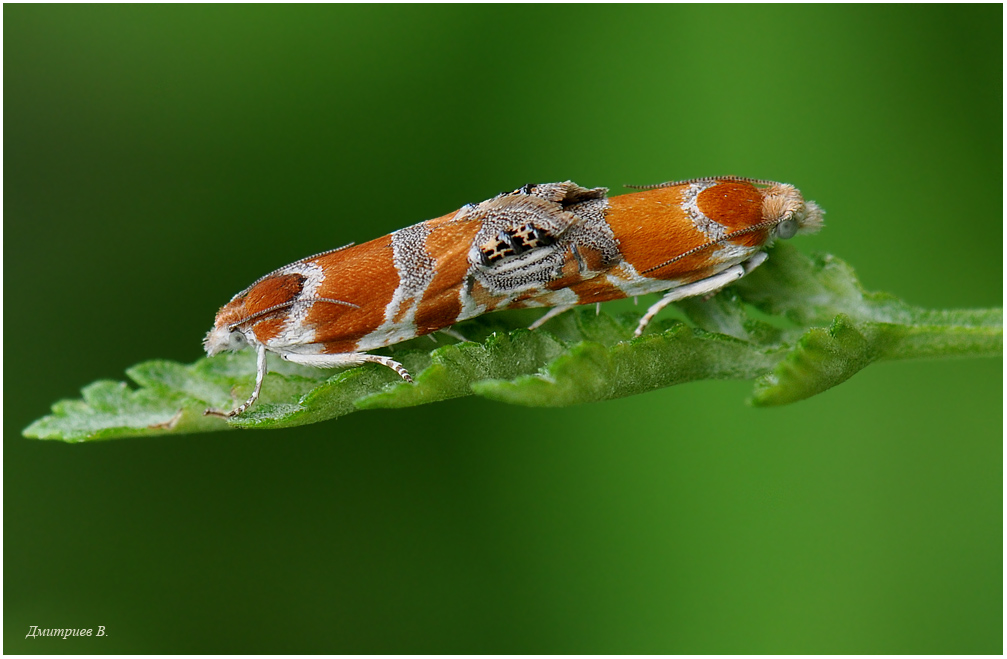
point(590, 372)
point(797, 326)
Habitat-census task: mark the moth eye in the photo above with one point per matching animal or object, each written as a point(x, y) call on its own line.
point(787, 228)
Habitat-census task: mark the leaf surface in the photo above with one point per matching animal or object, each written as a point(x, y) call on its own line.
point(797, 326)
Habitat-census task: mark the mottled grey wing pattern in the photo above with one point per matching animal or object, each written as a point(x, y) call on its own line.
point(536, 234)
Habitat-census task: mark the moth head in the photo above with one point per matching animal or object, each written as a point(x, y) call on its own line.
point(784, 205)
point(224, 335)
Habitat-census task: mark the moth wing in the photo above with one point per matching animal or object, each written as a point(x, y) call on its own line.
point(565, 193)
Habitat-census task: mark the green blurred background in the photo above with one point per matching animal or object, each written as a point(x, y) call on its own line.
point(158, 159)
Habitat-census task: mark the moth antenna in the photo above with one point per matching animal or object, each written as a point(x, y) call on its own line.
point(328, 251)
point(671, 184)
point(287, 305)
point(699, 248)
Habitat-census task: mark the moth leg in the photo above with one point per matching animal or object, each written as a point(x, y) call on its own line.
point(347, 359)
point(260, 375)
point(552, 313)
point(751, 264)
point(708, 286)
point(453, 333)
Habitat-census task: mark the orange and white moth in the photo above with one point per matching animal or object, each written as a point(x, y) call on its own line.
point(548, 245)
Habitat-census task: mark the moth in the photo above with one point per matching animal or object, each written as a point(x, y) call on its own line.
point(543, 245)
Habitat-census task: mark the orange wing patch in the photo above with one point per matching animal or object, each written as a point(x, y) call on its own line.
point(364, 275)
